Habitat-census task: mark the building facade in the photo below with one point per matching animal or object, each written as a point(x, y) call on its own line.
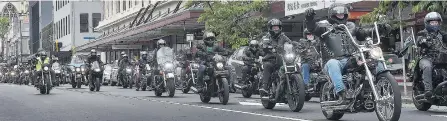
point(17, 34)
point(40, 15)
point(74, 22)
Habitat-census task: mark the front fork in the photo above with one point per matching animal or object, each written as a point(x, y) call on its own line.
point(370, 77)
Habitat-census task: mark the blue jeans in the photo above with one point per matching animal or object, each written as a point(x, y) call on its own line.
point(334, 69)
point(305, 71)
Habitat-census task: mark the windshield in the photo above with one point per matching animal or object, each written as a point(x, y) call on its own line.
point(56, 66)
point(164, 55)
point(95, 65)
point(288, 48)
point(76, 60)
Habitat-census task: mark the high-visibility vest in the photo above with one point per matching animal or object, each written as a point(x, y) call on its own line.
point(39, 63)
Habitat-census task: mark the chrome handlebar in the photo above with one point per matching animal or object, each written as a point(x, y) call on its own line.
point(352, 38)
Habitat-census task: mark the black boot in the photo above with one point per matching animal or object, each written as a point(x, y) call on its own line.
point(342, 100)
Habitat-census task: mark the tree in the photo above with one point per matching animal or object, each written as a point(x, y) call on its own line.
point(234, 22)
point(383, 9)
point(4, 26)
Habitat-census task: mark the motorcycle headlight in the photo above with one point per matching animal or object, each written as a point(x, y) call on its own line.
point(78, 69)
point(82, 69)
point(26, 72)
point(219, 65)
point(57, 71)
point(376, 53)
point(169, 66)
point(45, 68)
point(13, 73)
point(148, 67)
point(290, 57)
point(128, 70)
point(97, 70)
point(0, 74)
point(195, 65)
point(170, 75)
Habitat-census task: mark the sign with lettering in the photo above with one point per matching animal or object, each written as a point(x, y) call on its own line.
point(300, 6)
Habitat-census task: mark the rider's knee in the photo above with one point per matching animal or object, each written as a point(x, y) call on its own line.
point(425, 64)
point(333, 63)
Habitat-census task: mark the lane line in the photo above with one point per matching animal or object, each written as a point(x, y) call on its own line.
point(198, 106)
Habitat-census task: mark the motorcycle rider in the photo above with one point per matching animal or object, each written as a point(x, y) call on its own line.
point(251, 54)
point(41, 59)
point(124, 62)
point(429, 40)
point(205, 53)
point(90, 59)
point(142, 65)
point(339, 51)
point(308, 57)
point(274, 38)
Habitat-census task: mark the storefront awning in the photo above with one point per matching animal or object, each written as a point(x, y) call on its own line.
point(150, 30)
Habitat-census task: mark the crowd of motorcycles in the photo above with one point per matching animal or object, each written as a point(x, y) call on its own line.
point(368, 92)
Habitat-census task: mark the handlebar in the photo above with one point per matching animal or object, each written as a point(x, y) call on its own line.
point(352, 38)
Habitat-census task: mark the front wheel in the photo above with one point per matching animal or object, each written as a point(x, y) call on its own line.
point(186, 86)
point(225, 94)
point(327, 94)
point(296, 97)
point(170, 84)
point(246, 93)
point(98, 84)
point(389, 104)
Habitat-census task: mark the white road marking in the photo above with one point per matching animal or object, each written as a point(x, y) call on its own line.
point(207, 107)
point(445, 116)
point(250, 103)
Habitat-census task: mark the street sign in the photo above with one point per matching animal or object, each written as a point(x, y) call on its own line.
point(89, 38)
point(189, 37)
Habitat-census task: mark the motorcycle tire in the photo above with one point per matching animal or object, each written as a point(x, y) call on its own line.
point(143, 87)
point(397, 97)
point(266, 102)
point(98, 84)
point(73, 85)
point(186, 86)
point(295, 99)
point(42, 90)
point(48, 86)
point(326, 89)
point(78, 84)
point(170, 84)
point(157, 92)
point(129, 82)
point(308, 97)
point(225, 95)
point(113, 84)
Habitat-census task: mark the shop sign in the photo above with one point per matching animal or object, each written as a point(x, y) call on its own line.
point(298, 7)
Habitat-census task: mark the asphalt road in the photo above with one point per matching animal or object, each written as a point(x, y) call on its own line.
point(23, 103)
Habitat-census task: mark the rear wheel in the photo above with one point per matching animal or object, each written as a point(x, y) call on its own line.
point(327, 94)
point(296, 97)
point(389, 104)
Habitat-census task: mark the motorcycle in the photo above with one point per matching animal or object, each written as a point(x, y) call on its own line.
point(217, 85)
point(127, 77)
point(290, 89)
point(165, 80)
point(25, 77)
point(316, 81)
point(14, 76)
point(143, 77)
point(45, 80)
point(191, 77)
point(439, 78)
point(78, 77)
point(57, 74)
point(252, 85)
point(96, 72)
point(365, 91)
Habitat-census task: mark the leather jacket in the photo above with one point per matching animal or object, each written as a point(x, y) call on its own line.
point(432, 45)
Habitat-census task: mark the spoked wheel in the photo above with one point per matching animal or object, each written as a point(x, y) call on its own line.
point(422, 106)
point(205, 96)
point(224, 92)
point(296, 97)
point(186, 85)
point(389, 104)
point(266, 102)
point(327, 94)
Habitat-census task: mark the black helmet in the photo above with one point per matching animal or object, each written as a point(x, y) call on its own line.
point(209, 38)
point(144, 55)
point(275, 31)
point(161, 42)
point(43, 54)
point(432, 16)
point(335, 10)
point(253, 43)
point(122, 53)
